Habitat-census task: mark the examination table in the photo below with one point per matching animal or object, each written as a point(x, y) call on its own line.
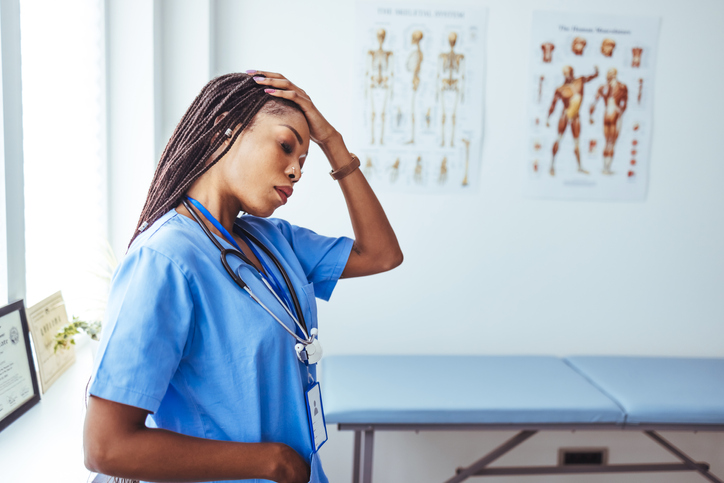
point(526, 394)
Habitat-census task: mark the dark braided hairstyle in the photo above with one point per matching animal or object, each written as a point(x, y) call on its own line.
point(196, 138)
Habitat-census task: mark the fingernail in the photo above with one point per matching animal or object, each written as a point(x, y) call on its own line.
point(269, 91)
point(250, 72)
point(258, 78)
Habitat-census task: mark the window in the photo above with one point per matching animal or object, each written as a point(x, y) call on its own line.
point(63, 73)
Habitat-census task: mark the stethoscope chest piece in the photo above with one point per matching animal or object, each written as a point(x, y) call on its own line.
point(309, 353)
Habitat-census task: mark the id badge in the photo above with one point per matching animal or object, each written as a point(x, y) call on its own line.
point(315, 416)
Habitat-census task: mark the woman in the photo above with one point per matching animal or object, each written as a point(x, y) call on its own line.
point(222, 374)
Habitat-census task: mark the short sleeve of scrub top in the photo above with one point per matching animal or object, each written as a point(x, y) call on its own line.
point(184, 342)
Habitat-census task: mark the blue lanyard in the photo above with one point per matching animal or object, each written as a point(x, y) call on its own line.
point(273, 281)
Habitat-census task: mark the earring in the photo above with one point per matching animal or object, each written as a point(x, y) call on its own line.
point(228, 133)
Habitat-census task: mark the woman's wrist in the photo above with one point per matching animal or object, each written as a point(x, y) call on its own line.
point(333, 137)
point(336, 151)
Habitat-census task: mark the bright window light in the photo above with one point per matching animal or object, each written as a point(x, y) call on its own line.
point(63, 72)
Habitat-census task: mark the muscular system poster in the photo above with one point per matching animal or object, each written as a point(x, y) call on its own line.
point(590, 97)
point(419, 96)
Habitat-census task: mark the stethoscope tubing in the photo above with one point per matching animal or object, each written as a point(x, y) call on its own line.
point(225, 252)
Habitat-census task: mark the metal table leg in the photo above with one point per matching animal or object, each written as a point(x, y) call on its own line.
point(356, 456)
point(465, 473)
point(682, 456)
point(369, 448)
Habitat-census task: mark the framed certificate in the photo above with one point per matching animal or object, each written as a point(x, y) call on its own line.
point(18, 384)
point(45, 319)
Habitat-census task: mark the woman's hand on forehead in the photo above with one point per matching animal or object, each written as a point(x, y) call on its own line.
point(320, 130)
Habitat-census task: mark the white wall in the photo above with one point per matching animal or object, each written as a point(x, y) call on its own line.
point(504, 274)
point(492, 272)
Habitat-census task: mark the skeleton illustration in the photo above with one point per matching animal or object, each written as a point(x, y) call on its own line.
point(615, 96)
point(395, 170)
point(466, 142)
point(418, 170)
point(379, 78)
point(443, 171)
point(414, 61)
point(369, 167)
point(451, 74)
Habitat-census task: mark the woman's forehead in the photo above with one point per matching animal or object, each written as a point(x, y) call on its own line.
point(290, 118)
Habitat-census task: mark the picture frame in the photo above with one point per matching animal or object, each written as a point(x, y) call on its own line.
point(19, 390)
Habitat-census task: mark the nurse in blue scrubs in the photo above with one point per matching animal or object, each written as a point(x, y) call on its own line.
point(195, 380)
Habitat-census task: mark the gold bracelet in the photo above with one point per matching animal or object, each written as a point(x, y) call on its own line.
point(346, 169)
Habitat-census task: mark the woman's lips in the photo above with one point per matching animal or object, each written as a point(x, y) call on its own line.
point(284, 193)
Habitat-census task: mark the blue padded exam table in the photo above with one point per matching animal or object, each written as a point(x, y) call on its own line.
point(527, 394)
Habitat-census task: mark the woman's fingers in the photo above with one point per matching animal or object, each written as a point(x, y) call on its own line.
point(279, 86)
point(295, 96)
point(271, 75)
point(277, 83)
point(274, 79)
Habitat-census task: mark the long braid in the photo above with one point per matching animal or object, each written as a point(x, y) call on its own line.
point(196, 138)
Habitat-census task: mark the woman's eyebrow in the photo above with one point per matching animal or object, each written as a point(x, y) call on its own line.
point(299, 138)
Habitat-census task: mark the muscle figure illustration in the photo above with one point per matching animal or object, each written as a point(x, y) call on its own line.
point(414, 61)
point(607, 47)
point(451, 77)
point(641, 89)
point(540, 87)
point(571, 95)
point(615, 97)
point(579, 43)
point(547, 49)
point(379, 77)
point(428, 117)
point(636, 59)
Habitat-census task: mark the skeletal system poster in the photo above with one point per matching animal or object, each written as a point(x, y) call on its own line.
point(420, 96)
point(590, 97)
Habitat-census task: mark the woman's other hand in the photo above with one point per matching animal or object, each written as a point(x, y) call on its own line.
point(320, 129)
point(290, 468)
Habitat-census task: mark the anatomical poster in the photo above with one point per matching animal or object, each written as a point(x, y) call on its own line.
point(419, 97)
point(590, 97)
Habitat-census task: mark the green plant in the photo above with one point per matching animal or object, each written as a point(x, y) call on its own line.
point(66, 336)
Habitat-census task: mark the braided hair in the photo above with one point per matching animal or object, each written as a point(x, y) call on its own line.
point(197, 136)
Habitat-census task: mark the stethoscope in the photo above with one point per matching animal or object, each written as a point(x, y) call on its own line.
point(308, 349)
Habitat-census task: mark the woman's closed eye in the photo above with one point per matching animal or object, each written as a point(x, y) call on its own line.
point(286, 147)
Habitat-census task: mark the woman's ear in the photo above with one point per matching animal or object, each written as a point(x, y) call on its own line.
point(220, 117)
point(217, 121)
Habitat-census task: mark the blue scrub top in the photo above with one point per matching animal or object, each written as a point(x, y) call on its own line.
point(183, 341)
